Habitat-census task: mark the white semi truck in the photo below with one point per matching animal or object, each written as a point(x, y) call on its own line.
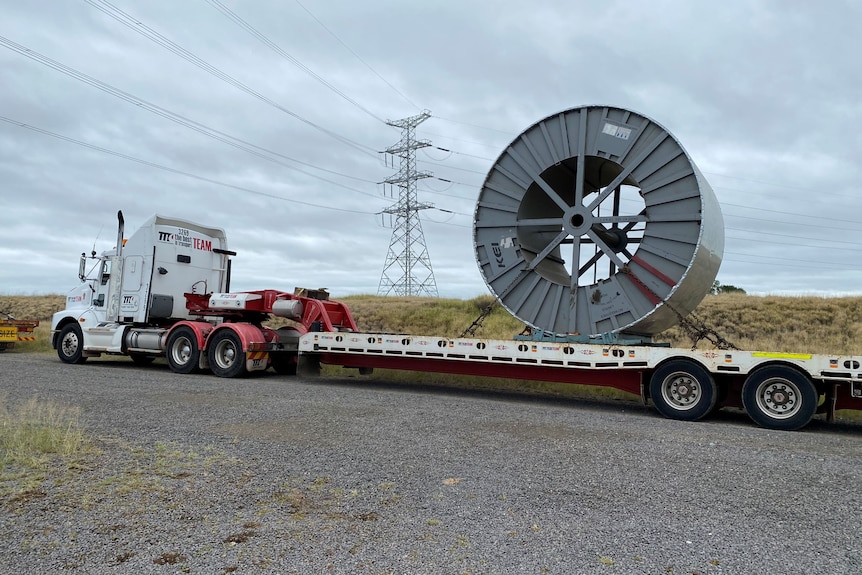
point(165, 292)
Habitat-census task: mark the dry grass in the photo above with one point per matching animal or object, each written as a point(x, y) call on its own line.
point(782, 323)
point(34, 307)
point(37, 437)
point(38, 307)
point(36, 429)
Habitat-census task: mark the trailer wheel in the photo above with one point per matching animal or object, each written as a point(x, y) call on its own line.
point(183, 353)
point(778, 397)
point(70, 344)
point(225, 354)
point(683, 390)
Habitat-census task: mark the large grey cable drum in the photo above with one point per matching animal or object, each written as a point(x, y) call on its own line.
point(594, 221)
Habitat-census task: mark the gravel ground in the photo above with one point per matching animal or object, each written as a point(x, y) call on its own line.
point(196, 474)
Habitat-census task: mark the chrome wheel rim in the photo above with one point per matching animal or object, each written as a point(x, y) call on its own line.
point(779, 398)
point(681, 391)
point(225, 354)
point(181, 352)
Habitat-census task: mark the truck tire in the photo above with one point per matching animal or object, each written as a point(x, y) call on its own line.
point(225, 354)
point(70, 344)
point(683, 390)
point(778, 397)
point(182, 352)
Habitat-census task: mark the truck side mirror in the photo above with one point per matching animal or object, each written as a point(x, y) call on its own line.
point(82, 266)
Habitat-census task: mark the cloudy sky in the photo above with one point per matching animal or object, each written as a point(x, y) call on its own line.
point(266, 118)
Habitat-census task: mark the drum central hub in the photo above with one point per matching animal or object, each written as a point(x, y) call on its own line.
point(577, 221)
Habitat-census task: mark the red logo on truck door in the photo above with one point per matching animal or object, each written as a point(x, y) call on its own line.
point(202, 244)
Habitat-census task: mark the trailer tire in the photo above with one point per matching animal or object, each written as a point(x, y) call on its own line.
point(683, 390)
point(778, 397)
point(70, 344)
point(183, 353)
point(225, 354)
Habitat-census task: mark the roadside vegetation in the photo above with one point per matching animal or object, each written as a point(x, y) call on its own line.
point(37, 437)
point(804, 324)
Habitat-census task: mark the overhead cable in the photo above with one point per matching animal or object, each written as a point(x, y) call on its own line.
point(144, 30)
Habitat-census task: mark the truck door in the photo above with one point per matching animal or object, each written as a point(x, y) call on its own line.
point(131, 301)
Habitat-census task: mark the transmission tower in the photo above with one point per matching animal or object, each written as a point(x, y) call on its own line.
point(407, 270)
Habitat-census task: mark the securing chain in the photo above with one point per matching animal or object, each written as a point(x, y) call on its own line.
point(477, 323)
point(694, 327)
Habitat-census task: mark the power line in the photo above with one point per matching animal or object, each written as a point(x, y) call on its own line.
point(173, 170)
point(278, 50)
point(180, 119)
point(831, 242)
point(147, 32)
point(818, 263)
point(510, 134)
point(355, 55)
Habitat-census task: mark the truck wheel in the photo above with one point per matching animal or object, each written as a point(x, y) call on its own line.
point(779, 397)
point(70, 344)
point(683, 390)
point(225, 354)
point(183, 353)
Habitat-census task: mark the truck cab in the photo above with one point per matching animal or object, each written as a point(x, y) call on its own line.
point(142, 282)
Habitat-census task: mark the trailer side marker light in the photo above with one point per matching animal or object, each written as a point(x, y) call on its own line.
point(781, 355)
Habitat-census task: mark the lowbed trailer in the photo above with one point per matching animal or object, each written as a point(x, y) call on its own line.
point(13, 331)
point(777, 390)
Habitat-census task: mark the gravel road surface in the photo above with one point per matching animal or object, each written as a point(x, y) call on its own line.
point(272, 474)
